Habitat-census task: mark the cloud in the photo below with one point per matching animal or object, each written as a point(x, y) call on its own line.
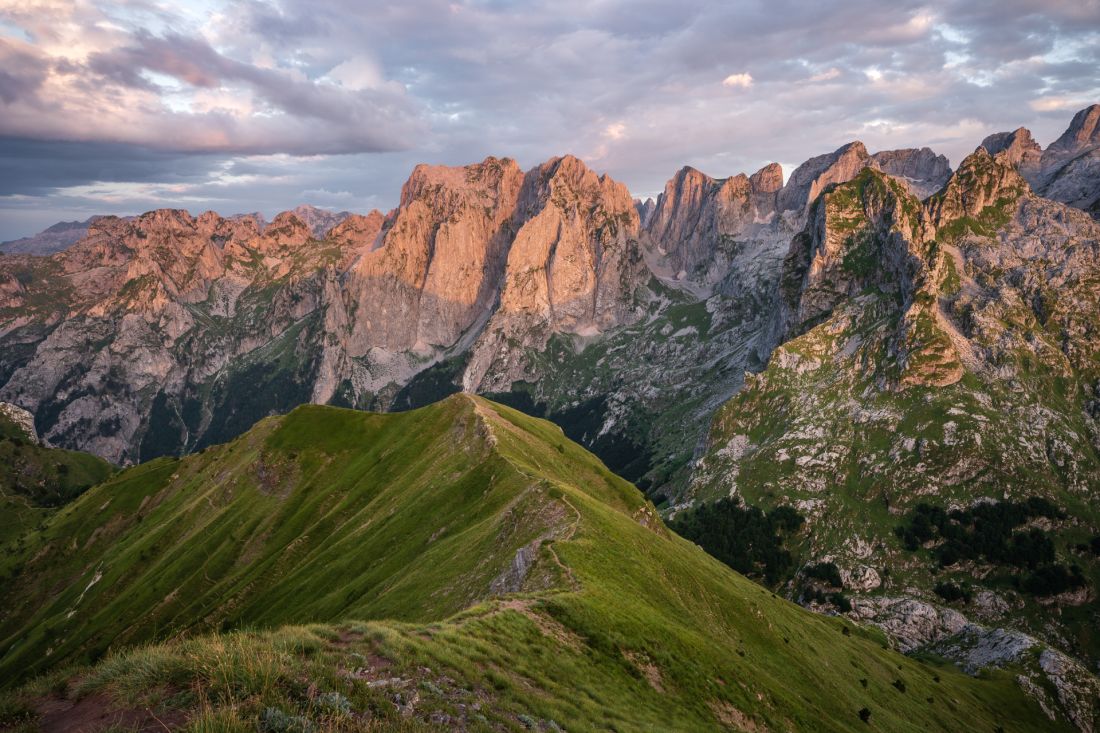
point(827, 75)
point(252, 104)
point(742, 80)
point(40, 167)
point(615, 130)
point(177, 92)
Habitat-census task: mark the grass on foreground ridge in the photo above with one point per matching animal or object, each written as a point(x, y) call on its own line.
point(618, 624)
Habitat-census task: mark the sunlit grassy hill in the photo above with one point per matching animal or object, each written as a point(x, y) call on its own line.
point(461, 565)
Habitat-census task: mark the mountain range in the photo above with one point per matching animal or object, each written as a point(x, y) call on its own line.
point(905, 356)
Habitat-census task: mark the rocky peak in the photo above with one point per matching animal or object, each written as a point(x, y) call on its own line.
point(696, 214)
point(257, 220)
point(572, 267)
point(765, 186)
point(359, 231)
point(286, 231)
point(439, 258)
point(680, 203)
point(318, 220)
point(645, 210)
point(448, 190)
point(1018, 148)
point(921, 169)
point(1019, 143)
point(221, 230)
point(1082, 134)
point(107, 225)
point(768, 179)
point(1070, 167)
point(860, 233)
point(810, 179)
point(163, 220)
point(574, 188)
point(981, 181)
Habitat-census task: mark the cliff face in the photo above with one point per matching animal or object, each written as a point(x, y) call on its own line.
point(1068, 170)
point(920, 169)
point(572, 268)
point(149, 334)
point(695, 212)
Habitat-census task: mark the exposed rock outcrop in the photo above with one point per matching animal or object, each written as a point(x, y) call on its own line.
point(697, 218)
point(922, 170)
point(573, 267)
point(645, 210)
point(1019, 149)
point(1082, 135)
point(319, 221)
point(811, 178)
point(22, 419)
point(1068, 171)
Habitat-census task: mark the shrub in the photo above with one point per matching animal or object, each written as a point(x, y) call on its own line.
point(988, 532)
point(826, 572)
point(274, 720)
point(1050, 580)
point(334, 702)
point(951, 592)
point(864, 714)
point(746, 538)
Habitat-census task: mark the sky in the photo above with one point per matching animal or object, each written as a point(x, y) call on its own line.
point(254, 105)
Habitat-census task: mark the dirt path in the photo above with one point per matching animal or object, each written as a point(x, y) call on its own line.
point(568, 571)
point(97, 712)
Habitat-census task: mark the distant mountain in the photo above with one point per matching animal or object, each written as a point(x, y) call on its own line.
point(56, 238)
point(503, 579)
point(1068, 170)
point(63, 235)
point(319, 221)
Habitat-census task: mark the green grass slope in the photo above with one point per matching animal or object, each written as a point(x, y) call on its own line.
point(503, 579)
point(34, 479)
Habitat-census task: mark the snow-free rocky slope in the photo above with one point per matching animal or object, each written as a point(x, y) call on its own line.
point(943, 352)
point(167, 332)
point(499, 577)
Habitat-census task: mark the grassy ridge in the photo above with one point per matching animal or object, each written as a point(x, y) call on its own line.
point(616, 623)
point(35, 479)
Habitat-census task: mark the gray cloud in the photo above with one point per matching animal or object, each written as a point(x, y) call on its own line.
point(358, 92)
point(40, 167)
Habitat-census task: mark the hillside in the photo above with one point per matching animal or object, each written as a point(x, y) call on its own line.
point(502, 578)
point(36, 479)
point(936, 356)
